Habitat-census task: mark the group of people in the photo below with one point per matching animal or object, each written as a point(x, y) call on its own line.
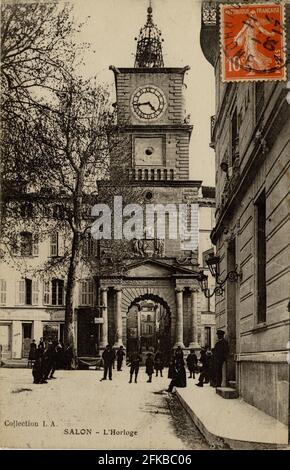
point(209, 365)
point(153, 362)
point(46, 357)
point(50, 355)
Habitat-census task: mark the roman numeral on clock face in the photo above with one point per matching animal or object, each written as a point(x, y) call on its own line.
point(148, 102)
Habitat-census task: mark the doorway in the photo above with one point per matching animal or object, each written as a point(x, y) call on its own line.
point(5, 341)
point(26, 338)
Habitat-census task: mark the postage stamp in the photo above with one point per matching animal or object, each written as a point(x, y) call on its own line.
point(252, 42)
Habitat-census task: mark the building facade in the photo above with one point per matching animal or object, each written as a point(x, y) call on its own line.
point(155, 302)
point(250, 134)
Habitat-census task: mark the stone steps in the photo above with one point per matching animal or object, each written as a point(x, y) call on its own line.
point(227, 392)
point(14, 363)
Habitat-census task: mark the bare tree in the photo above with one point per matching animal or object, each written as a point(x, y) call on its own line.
point(36, 49)
point(59, 137)
point(74, 142)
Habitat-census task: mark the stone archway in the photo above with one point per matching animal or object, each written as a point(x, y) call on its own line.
point(148, 325)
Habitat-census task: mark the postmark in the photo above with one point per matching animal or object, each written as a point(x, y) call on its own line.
point(252, 42)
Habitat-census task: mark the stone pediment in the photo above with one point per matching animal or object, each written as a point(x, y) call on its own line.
point(154, 268)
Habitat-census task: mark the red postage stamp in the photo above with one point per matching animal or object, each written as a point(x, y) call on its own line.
point(252, 42)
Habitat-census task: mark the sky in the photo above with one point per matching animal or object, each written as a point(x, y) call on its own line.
point(110, 28)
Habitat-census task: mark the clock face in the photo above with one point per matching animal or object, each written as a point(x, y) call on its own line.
point(148, 102)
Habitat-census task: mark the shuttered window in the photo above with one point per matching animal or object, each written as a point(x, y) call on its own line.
point(2, 292)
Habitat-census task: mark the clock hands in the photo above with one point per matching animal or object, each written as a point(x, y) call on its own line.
point(147, 103)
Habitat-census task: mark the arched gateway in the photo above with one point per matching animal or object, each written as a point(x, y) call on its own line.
point(149, 325)
point(153, 305)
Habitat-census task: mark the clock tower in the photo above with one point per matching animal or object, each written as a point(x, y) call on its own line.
point(150, 104)
point(153, 303)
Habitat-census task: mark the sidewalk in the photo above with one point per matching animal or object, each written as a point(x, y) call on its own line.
point(14, 363)
point(231, 423)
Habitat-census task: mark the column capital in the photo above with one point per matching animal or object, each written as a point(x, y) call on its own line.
point(179, 289)
point(118, 288)
point(194, 289)
point(103, 289)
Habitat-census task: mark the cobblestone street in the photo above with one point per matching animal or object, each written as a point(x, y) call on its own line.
point(78, 411)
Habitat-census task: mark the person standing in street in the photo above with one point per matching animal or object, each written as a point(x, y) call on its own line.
point(108, 357)
point(220, 354)
point(53, 360)
point(204, 371)
point(149, 364)
point(47, 359)
point(178, 355)
point(158, 363)
point(134, 363)
point(120, 356)
point(191, 362)
point(41, 346)
point(37, 370)
point(32, 353)
point(114, 359)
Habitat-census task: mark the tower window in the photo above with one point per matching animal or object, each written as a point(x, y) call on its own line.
point(149, 151)
point(149, 195)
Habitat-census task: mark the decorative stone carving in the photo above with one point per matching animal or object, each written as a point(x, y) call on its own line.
point(192, 259)
point(148, 248)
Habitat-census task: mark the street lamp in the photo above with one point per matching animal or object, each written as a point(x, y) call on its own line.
point(213, 263)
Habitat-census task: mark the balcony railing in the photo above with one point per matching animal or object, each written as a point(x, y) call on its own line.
point(152, 174)
point(212, 124)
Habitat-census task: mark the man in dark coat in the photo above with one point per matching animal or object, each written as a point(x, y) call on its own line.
point(220, 354)
point(32, 353)
point(108, 357)
point(54, 359)
point(178, 353)
point(134, 363)
point(41, 346)
point(191, 362)
point(37, 370)
point(204, 371)
point(158, 363)
point(47, 359)
point(149, 364)
point(120, 356)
